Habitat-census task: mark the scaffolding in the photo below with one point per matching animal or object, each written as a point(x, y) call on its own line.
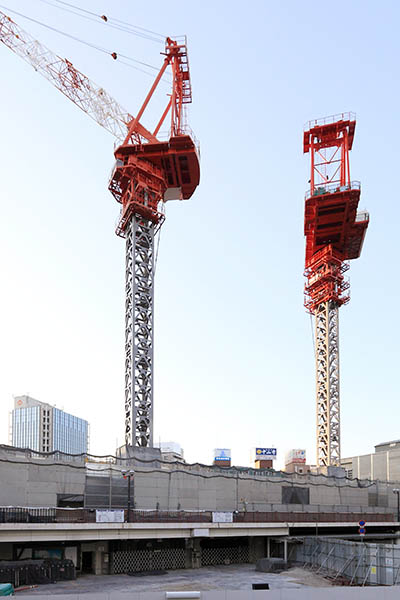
point(358, 563)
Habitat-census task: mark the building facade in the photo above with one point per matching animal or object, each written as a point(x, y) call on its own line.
point(45, 428)
point(170, 451)
point(383, 464)
point(295, 461)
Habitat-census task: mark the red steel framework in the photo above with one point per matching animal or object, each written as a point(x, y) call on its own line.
point(334, 233)
point(147, 170)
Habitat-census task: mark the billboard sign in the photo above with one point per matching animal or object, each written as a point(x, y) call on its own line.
point(222, 454)
point(265, 453)
point(297, 455)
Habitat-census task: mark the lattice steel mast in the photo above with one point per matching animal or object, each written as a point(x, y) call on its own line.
point(147, 173)
point(139, 300)
point(334, 233)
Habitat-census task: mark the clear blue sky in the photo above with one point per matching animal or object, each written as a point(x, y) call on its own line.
point(233, 346)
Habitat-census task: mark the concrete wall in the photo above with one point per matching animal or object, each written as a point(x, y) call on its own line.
point(36, 481)
point(204, 489)
point(26, 484)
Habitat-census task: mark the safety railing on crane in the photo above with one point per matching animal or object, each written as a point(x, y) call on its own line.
point(362, 216)
point(346, 116)
point(164, 136)
point(332, 188)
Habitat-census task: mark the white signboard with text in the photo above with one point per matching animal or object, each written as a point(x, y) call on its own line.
point(222, 517)
point(110, 516)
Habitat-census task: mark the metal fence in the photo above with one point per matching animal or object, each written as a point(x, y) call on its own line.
point(358, 563)
point(17, 514)
point(27, 572)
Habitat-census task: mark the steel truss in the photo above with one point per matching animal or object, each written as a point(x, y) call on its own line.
point(139, 290)
point(328, 393)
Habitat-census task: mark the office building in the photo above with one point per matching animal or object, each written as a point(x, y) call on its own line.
point(383, 464)
point(45, 428)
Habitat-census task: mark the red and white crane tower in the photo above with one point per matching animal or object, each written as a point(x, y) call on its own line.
point(147, 173)
point(335, 231)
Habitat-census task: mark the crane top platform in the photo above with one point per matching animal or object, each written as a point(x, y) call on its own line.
point(334, 227)
point(332, 217)
point(329, 131)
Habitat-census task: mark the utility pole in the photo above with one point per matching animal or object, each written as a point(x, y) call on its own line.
point(397, 492)
point(129, 475)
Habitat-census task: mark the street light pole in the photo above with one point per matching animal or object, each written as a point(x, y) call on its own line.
point(129, 475)
point(397, 491)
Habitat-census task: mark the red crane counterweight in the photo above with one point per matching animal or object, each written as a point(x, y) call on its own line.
point(147, 174)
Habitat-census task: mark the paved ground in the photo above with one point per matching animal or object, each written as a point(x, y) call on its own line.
point(237, 577)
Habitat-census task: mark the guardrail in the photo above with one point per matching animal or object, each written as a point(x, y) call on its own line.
point(332, 188)
point(346, 116)
point(18, 514)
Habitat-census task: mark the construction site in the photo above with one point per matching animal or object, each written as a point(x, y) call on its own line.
point(139, 509)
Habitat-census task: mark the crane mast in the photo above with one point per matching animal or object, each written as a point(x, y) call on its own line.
point(148, 172)
point(335, 231)
point(145, 176)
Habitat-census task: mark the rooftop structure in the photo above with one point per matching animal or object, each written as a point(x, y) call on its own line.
point(170, 451)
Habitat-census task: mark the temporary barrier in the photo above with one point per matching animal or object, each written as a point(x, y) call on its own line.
point(360, 563)
point(28, 572)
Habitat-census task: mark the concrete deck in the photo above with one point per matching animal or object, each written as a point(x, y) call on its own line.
point(214, 583)
point(232, 577)
point(37, 532)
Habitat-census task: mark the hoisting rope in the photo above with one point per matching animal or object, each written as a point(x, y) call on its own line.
point(113, 54)
point(115, 23)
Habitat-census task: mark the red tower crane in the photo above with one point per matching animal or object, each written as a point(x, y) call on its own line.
point(148, 172)
point(335, 232)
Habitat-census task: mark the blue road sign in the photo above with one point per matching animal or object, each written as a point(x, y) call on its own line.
point(361, 523)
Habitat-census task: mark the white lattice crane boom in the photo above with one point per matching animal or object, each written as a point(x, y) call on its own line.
point(89, 97)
